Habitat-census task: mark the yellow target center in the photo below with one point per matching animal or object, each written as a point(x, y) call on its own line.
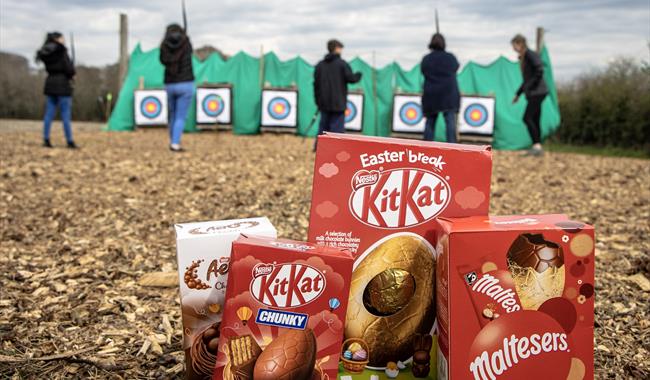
point(212, 105)
point(475, 115)
point(151, 107)
point(411, 114)
point(279, 108)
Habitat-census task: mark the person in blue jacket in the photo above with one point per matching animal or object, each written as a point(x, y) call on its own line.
point(440, 93)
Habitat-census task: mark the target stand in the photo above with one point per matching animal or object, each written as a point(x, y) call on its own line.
point(150, 107)
point(214, 106)
point(476, 119)
point(279, 111)
point(408, 118)
point(354, 112)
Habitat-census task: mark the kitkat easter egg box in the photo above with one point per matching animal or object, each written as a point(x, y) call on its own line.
point(285, 306)
point(378, 197)
point(515, 298)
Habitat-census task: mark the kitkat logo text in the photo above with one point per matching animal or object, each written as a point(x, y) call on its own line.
point(286, 285)
point(398, 198)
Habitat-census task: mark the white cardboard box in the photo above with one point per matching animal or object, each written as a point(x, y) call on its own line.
point(203, 251)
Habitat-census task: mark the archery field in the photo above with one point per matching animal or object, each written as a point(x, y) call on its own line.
point(89, 286)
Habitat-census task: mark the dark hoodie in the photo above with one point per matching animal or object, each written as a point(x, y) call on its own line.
point(59, 67)
point(176, 55)
point(331, 78)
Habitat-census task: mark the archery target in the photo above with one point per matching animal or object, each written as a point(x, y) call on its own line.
point(476, 115)
point(150, 107)
point(354, 112)
point(279, 108)
point(407, 114)
point(213, 105)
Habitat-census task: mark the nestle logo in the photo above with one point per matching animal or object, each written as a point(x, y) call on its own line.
point(364, 178)
point(398, 198)
point(262, 269)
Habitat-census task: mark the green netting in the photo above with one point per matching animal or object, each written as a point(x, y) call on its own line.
point(500, 78)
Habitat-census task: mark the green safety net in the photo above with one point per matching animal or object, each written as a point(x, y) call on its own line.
point(500, 79)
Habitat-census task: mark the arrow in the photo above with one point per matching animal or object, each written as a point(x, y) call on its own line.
point(74, 59)
point(437, 26)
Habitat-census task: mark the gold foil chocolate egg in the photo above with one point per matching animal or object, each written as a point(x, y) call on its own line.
point(537, 268)
point(392, 298)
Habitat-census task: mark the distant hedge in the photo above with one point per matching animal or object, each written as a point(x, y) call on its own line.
point(610, 107)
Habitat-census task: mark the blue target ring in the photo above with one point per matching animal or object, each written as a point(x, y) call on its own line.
point(350, 111)
point(410, 113)
point(212, 105)
point(475, 115)
point(279, 108)
point(150, 107)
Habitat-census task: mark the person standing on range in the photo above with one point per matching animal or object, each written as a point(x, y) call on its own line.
point(331, 78)
point(176, 56)
point(440, 91)
point(58, 86)
point(535, 89)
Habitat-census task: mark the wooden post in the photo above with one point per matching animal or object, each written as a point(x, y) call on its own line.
point(261, 66)
point(540, 39)
point(124, 49)
point(374, 93)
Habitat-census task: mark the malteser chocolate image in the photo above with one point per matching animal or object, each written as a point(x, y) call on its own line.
point(290, 356)
point(243, 353)
point(537, 267)
point(392, 298)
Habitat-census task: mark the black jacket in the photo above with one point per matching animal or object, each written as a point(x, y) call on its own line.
point(440, 92)
point(176, 55)
point(59, 67)
point(532, 70)
point(331, 78)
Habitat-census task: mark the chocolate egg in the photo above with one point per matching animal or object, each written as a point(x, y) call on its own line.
point(392, 297)
point(537, 268)
point(292, 355)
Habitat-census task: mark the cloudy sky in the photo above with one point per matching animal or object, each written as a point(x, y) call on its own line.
point(581, 35)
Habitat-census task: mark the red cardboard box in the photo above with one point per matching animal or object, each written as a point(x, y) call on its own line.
point(284, 311)
point(515, 298)
point(377, 197)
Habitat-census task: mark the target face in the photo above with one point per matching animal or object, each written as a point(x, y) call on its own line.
point(279, 108)
point(213, 105)
point(407, 114)
point(476, 116)
point(354, 112)
point(150, 107)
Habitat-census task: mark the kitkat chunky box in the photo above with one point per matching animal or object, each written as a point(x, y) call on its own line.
point(283, 318)
point(203, 251)
point(515, 298)
point(378, 197)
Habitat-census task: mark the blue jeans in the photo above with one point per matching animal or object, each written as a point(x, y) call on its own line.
point(179, 98)
point(450, 122)
point(330, 122)
point(51, 104)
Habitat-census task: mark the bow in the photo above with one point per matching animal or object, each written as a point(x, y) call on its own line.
point(72, 52)
point(184, 17)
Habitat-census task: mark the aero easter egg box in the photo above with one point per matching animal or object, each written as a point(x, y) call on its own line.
point(203, 251)
point(283, 318)
point(378, 197)
point(515, 298)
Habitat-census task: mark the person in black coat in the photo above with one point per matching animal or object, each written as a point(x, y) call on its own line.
point(440, 91)
point(331, 78)
point(58, 85)
point(176, 56)
point(534, 88)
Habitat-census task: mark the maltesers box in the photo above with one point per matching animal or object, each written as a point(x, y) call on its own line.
point(378, 197)
point(203, 251)
point(515, 297)
point(285, 306)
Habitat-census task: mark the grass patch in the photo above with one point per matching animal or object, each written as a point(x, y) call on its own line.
point(595, 150)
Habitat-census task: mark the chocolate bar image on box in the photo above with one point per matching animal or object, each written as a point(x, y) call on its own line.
point(244, 352)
